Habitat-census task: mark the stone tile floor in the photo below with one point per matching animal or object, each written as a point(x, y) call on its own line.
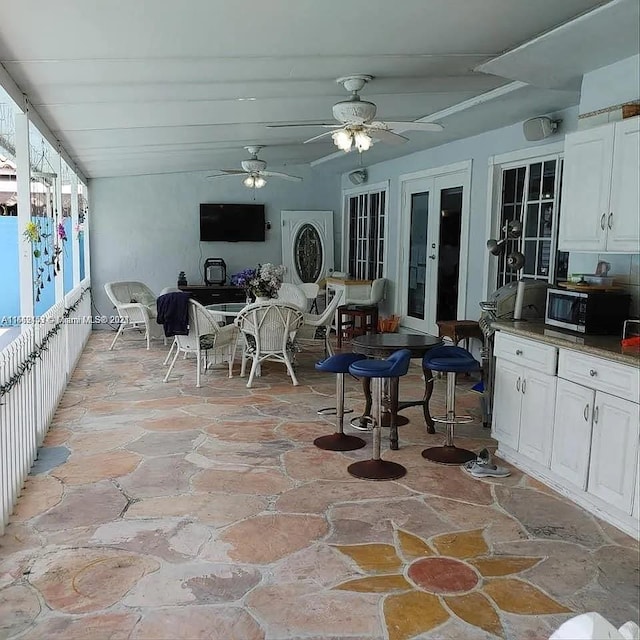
point(162, 511)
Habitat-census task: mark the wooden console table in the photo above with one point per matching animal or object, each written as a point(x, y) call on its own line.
point(214, 294)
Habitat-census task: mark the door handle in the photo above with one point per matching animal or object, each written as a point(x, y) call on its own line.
point(586, 413)
point(610, 220)
point(518, 384)
point(593, 373)
point(602, 220)
point(524, 386)
point(432, 256)
point(595, 414)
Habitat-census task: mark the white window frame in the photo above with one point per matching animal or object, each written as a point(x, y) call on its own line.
point(368, 190)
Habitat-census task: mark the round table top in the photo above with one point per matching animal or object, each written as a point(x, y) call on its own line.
point(229, 309)
point(382, 345)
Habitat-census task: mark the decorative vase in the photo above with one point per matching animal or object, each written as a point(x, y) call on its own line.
point(262, 299)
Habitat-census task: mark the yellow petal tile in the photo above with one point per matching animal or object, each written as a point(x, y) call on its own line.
point(411, 546)
point(476, 609)
point(374, 558)
point(376, 584)
point(462, 544)
point(499, 566)
point(517, 596)
point(409, 614)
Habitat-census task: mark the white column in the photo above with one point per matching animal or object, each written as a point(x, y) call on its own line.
point(74, 239)
point(25, 251)
point(86, 225)
point(59, 278)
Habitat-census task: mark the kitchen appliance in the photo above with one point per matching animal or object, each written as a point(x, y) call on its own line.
point(501, 305)
point(589, 312)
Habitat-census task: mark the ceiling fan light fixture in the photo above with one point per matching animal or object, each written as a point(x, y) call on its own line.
point(249, 182)
point(259, 182)
point(362, 141)
point(342, 139)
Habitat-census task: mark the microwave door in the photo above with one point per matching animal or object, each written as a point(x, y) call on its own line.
point(564, 311)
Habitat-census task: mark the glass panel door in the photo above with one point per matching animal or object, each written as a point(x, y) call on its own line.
point(419, 224)
point(449, 254)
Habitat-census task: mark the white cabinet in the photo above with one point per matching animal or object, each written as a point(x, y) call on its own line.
point(600, 189)
point(524, 396)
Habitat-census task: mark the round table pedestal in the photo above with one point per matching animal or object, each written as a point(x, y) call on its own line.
point(377, 470)
point(448, 454)
point(339, 442)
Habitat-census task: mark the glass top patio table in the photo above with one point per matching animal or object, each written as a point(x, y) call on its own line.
point(227, 309)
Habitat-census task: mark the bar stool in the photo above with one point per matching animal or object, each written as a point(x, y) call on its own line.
point(396, 365)
point(339, 441)
point(450, 360)
point(348, 326)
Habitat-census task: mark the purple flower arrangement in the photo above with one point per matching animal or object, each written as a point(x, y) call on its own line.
point(263, 281)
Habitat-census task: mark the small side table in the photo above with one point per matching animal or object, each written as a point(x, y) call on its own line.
point(348, 326)
point(459, 330)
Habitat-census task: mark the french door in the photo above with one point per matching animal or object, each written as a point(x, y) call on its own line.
point(433, 257)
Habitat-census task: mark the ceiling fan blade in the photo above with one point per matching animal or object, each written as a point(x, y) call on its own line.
point(303, 124)
point(276, 174)
point(415, 126)
point(386, 136)
point(322, 135)
point(229, 172)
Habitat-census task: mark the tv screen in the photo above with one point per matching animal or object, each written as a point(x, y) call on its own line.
point(232, 223)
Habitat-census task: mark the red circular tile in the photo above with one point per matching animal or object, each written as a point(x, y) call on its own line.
point(443, 575)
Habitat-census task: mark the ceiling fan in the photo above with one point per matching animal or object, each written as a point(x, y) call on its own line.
point(357, 126)
point(255, 171)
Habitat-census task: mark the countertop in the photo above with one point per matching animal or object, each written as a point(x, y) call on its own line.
point(601, 346)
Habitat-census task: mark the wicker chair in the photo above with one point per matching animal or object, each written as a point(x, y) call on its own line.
point(268, 329)
point(205, 336)
point(319, 325)
point(289, 293)
point(137, 303)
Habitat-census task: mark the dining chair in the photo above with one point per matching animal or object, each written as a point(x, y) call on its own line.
point(319, 325)
point(292, 294)
point(205, 336)
point(311, 290)
point(268, 329)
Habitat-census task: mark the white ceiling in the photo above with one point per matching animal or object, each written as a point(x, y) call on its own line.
point(156, 86)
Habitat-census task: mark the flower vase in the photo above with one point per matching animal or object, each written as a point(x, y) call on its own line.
point(262, 299)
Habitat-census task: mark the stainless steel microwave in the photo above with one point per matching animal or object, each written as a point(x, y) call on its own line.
point(590, 312)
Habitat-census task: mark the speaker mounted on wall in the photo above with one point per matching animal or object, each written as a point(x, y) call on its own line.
point(539, 128)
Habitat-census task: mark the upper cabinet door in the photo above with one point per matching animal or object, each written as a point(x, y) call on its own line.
point(586, 187)
point(623, 222)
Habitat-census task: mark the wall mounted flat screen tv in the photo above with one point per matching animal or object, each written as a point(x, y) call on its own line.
point(232, 223)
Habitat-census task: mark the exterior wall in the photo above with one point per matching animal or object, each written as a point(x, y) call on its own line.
point(147, 227)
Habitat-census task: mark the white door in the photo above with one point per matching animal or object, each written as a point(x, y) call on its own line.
point(507, 400)
point(624, 222)
point(536, 416)
point(307, 245)
point(572, 432)
point(614, 447)
point(433, 258)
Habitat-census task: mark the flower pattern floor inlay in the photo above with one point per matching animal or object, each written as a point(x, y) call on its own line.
point(161, 511)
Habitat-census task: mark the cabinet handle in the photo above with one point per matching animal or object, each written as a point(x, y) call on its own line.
point(595, 414)
point(586, 413)
point(518, 352)
point(524, 385)
point(602, 220)
point(518, 384)
point(593, 373)
point(609, 221)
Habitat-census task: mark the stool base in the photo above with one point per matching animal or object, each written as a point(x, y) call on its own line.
point(339, 442)
point(448, 455)
point(361, 422)
point(377, 470)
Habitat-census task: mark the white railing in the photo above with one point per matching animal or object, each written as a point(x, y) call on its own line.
point(34, 371)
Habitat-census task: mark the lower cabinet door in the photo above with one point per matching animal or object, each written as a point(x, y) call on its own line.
point(536, 415)
point(614, 451)
point(572, 432)
point(507, 398)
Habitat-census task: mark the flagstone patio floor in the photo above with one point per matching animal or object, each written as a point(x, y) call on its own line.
point(162, 511)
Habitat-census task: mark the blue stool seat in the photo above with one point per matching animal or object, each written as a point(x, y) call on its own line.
point(338, 441)
point(451, 360)
point(448, 359)
point(339, 363)
point(396, 365)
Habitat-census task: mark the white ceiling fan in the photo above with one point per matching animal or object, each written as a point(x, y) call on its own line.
point(357, 126)
point(255, 171)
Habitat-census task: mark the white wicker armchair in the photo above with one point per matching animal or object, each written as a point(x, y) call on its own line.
point(205, 336)
point(136, 304)
point(268, 329)
point(319, 325)
point(289, 293)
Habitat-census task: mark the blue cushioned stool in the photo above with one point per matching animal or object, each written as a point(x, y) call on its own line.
point(339, 441)
point(396, 365)
point(450, 360)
